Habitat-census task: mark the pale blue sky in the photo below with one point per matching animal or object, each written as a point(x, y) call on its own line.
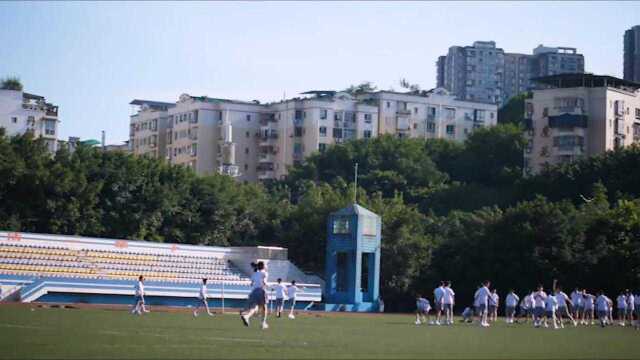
point(93, 58)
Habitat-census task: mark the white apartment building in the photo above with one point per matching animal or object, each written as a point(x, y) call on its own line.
point(299, 127)
point(21, 112)
point(579, 115)
point(147, 128)
point(433, 114)
point(257, 142)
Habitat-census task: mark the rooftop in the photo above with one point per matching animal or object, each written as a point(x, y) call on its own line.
point(152, 104)
point(587, 80)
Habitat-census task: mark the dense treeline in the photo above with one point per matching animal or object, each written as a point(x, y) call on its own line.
point(452, 211)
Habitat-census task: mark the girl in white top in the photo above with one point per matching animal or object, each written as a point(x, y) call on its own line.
point(494, 302)
point(202, 299)
point(448, 300)
point(280, 290)
point(258, 298)
point(578, 306)
point(292, 290)
point(551, 305)
point(563, 307)
point(511, 301)
point(588, 300)
point(621, 301)
point(603, 306)
point(630, 306)
point(481, 298)
point(539, 298)
point(139, 306)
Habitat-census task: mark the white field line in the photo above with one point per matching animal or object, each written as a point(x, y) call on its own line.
point(120, 333)
point(25, 327)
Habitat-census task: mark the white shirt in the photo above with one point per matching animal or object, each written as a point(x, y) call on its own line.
point(438, 293)
point(280, 290)
point(588, 301)
point(291, 291)
point(637, 299)
point(576, 298)
point(602, 303)
point(512, 300)
point(258, 279)
point(139, 289)
point(203, 291)
point(622, 301)
point(551, 303)
point(482, 295)
point(631, 302)
point(423, 304)
point(448, 295)
point(493, 300)
point(539, 298)
point(528, 301)
point(562, 298)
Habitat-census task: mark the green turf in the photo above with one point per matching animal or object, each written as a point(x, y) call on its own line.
point(74, 333)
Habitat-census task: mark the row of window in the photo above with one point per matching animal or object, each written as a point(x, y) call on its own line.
point(147, 125)
point(192, 150)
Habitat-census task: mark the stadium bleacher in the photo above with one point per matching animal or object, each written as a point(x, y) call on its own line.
point(68, 268)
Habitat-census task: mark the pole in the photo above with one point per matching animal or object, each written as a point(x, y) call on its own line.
point(222, 295)
point(355, 186)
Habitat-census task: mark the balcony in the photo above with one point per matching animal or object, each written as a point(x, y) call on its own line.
point(266, 174)
point(568, 121)
point(405, 112)
point(266, 158)
point(230, 170)
point(577, 110)
point(298, 155)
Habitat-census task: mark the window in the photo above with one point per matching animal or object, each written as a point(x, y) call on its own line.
point(388, 104)
point(450, 113)
point(451, 129)
point(323, 131)
point(14, 120)
point(49, 127)
point(31, 120)
point(415, 110)
point(337, 133)
point(431, 126)
point(341, 271)
point(247, 134)
point(322, 147)
point(367, 118)
point(369, 225)
point(297, 131)
point(248, 117)
point(298, 114)
point(323, 114)
point(194, 149)
point(341, 226)
point(246, 150)
point(304, 114)
point(367, 134)
point(545, 112)
point(297, 148)
point(337, 116)
point(246, 167)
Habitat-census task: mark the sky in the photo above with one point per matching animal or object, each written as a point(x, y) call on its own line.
point(92, 59)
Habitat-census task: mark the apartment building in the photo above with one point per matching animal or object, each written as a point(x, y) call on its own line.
point(147, 127)
point(301, 126)
point(579, 115)
point(485, 73)
point(631, 61)
point(429, 114)
point(21, 112)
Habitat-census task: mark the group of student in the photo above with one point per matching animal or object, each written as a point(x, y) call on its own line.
point(256, 303)
point(555, 308)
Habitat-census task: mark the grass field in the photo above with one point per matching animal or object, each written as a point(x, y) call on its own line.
point(97, 333)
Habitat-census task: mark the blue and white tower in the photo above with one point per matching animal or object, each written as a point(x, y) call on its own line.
point(353, 260)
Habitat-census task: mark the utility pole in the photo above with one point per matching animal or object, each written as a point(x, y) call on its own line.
point(355, 185)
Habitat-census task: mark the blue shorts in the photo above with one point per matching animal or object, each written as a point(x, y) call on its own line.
point(603, 313)
point(257, 297)
point(563, 311)
point(510, 310)
point(549, 314)
point(447, 307)
point(480, 309)
point(538, 311)
point(279, 302)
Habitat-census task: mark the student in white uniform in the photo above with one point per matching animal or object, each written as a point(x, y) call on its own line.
point(280, 291)
point(636, 305)
point(539, 299)
point(202, 299)
point(621, 302)
point(482, 299)
point(494, 302)
point(630, 306)
point(526, 307)
point(563, 307)
point(438, 293)
point(292, 290)
point(422, 310)
point(603, 306)
point(510, 303)
point(578, 305)
point(258, 297)
point(448, 300)
point(551, 306)
point(139, 306)
point(589, 305)
point(467, 315)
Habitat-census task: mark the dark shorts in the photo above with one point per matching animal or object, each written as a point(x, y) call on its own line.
point(492, 309)
point(257, 297)
point(603, 313)
point(549, 314)
point(138, 298)
point(563, 311)
point(480, 309)
point(510, 310)
point(638, 311)
point(447, 307)
point(437, 306)
point(279, 302)
point(538, 312)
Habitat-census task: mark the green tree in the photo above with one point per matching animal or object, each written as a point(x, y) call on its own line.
point(11, 83)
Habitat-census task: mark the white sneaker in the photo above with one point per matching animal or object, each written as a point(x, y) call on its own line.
point(195, 314)
point(431, 322)
point(264, 326)
point(245, 320)
point(484, 325)
point(210, 314)
point(437, 322)
point(418, 322)
point(291, 316)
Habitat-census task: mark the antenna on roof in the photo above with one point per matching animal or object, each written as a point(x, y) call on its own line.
point(355, 185)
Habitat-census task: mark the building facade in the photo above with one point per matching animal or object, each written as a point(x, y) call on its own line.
point(632, 54)
point(485, 73)
point(258, 142)
point(21, 112)
point(433, 114)
point(579, 115)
